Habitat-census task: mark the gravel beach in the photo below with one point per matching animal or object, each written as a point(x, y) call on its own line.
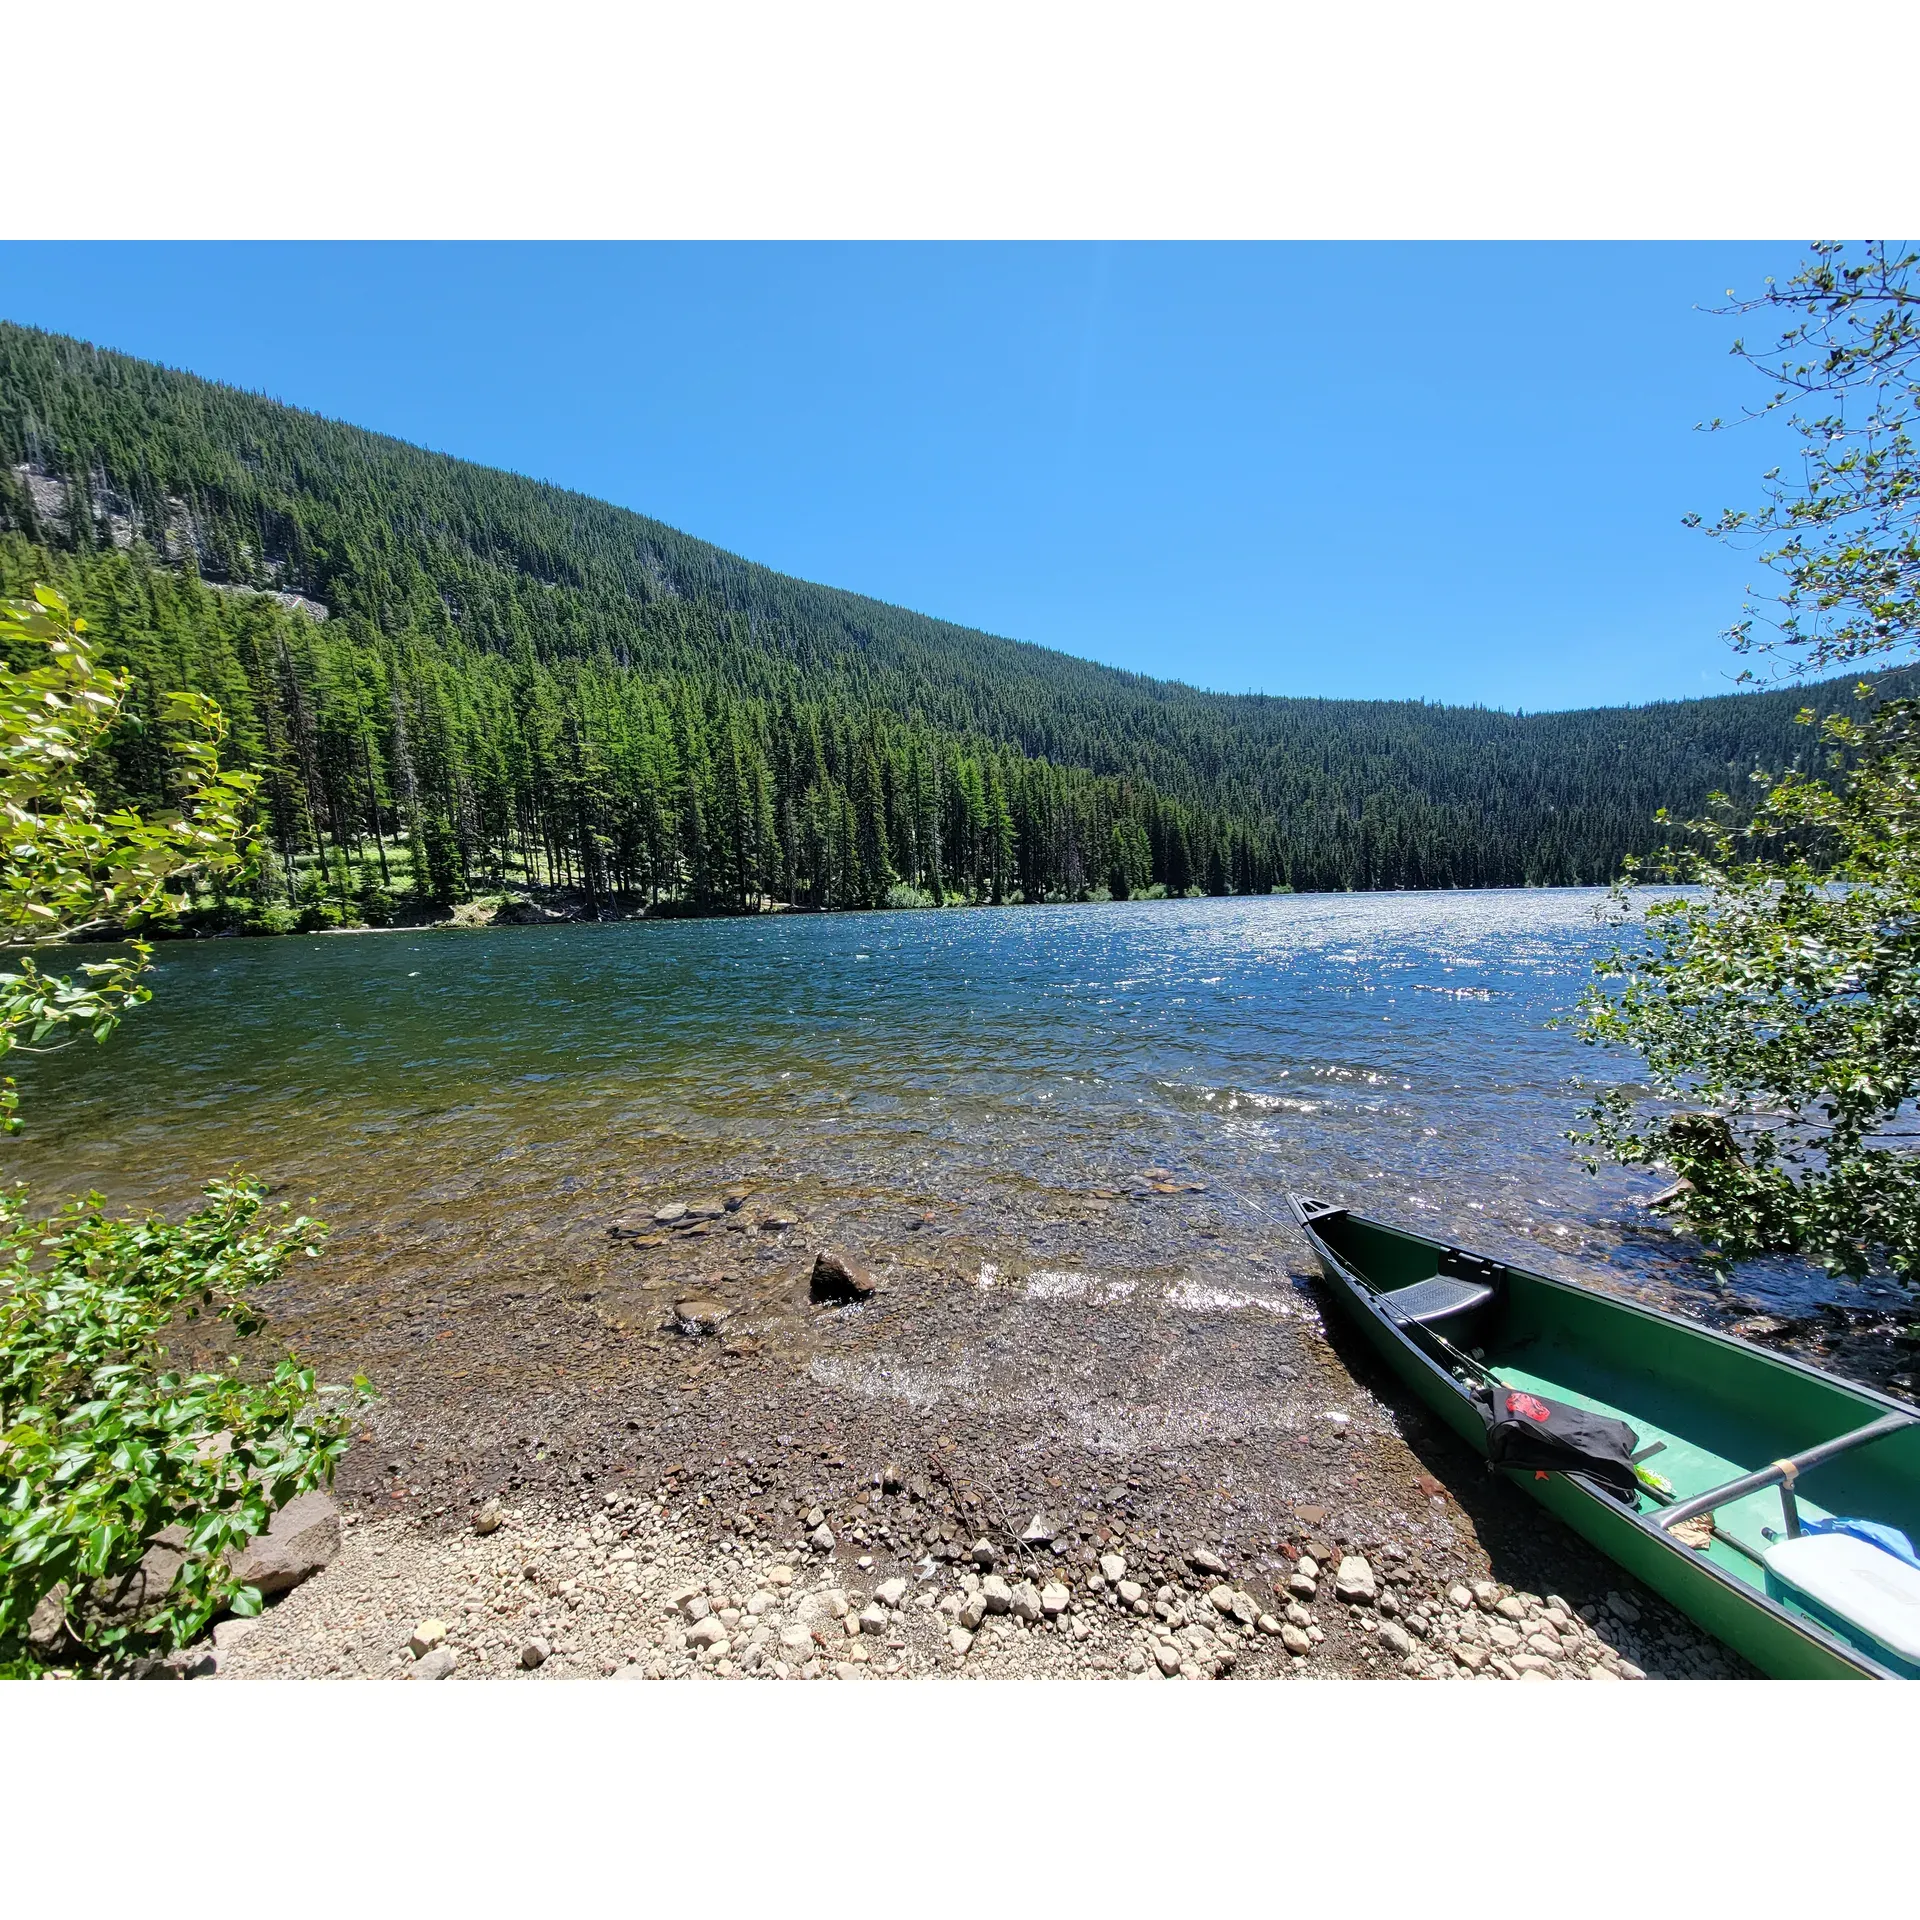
point(1069, 1447)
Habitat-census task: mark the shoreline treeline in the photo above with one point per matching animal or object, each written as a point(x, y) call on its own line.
point(518, 686)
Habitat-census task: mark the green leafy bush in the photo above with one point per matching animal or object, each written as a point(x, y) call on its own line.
point(1776, 1013)
point(105, 1443)
point(116, 1464)
point(1775, 1007)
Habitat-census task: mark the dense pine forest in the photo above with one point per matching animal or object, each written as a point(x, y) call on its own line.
point(455, 681)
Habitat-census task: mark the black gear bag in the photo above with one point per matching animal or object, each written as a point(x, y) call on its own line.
point(1526, 1431)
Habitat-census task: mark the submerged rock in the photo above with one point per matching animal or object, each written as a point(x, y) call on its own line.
point(700, 1315)
point(837, 1279)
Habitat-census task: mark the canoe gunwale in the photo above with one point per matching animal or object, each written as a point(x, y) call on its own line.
point(1363, 1299)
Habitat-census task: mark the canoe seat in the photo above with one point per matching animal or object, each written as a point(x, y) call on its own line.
point(1436, 1299)
point(1864, 1592)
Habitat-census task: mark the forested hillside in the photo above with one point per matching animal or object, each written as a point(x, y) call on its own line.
point(454, 679)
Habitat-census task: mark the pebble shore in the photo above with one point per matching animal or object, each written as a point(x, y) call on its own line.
point(631, 1595)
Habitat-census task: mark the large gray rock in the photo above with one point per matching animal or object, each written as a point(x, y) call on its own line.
point(303, 1537)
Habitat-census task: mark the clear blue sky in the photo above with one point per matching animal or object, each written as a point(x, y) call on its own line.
point(1452, 472)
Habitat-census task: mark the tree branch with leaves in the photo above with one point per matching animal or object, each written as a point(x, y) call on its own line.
point(68, 868)
point(1775, 1006)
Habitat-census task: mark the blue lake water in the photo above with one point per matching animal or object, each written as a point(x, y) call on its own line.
point(444, 1094)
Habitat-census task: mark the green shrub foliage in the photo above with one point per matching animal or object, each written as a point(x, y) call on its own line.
point(1776, 1010)
point(110, 1451)
point(1776, 1007)
point(106, 1443)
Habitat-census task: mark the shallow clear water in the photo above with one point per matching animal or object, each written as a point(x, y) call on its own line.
point(450, 1096)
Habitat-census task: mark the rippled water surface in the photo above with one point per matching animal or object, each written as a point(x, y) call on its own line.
point(472, 1098)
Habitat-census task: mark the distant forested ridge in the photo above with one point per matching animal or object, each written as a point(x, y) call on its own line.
point(456, 680)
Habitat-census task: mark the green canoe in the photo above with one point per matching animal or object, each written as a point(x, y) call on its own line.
point(1743, 1454)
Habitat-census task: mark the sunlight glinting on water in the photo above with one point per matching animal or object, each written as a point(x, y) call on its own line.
point(469, 1090)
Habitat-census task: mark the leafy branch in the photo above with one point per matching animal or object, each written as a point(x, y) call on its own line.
point(1776, 1009)
point(66, 867)
point(1840, 526)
